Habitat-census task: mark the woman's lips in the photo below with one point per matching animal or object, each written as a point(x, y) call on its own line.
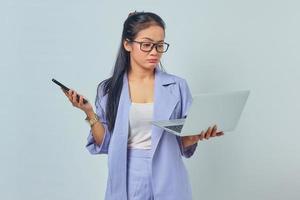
point(152, 60)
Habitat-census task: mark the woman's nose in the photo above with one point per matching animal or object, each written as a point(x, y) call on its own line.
point(153, 51)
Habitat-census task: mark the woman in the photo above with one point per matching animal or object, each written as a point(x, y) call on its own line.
point(144, 162)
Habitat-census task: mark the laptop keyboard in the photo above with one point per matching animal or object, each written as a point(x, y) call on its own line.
point(176, 128)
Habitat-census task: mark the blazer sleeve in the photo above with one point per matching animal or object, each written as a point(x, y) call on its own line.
point(186, 101)
point(91, 146)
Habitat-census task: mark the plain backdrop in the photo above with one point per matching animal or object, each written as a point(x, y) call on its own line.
point(215, 45)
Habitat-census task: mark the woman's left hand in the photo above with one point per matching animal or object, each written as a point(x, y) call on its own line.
point(192, 139)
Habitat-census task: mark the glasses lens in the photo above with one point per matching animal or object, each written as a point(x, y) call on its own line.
point(146, 46)
point(161, 47)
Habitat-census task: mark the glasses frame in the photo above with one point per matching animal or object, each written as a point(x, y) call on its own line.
point(153, 45)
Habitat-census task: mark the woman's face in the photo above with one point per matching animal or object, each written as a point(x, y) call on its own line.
point(139, 58)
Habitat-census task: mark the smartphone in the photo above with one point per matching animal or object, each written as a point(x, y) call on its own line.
point(67, 89)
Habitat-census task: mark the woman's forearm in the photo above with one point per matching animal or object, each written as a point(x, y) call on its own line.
point(97, 129)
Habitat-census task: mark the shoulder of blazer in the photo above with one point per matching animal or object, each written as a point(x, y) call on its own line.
point(168, 79)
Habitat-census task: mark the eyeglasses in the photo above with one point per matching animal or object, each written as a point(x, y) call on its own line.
point(160, 47)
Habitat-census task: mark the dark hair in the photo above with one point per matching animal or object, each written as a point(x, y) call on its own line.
point(112, 86)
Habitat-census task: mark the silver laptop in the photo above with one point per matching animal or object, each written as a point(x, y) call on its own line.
point(209, 109)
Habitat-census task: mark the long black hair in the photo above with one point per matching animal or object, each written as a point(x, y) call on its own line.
point(112, 86)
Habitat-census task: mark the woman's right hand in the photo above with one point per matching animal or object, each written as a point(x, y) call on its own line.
point(71, 94)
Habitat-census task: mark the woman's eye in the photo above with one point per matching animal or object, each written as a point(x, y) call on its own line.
point(160, 46)
point(147, 45)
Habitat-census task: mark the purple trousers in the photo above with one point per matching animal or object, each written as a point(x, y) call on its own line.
point(139, 184)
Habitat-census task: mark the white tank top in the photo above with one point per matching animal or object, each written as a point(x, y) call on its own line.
point(140, 117)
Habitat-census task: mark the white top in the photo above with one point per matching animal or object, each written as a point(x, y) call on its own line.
point(140, 117)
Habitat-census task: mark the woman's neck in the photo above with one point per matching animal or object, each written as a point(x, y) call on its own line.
point(138, 74)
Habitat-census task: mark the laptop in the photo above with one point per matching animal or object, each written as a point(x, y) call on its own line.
point(208, 109)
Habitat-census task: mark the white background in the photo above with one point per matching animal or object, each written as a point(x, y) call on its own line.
point(215, 45)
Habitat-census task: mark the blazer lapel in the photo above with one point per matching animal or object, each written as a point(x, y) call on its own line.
point(164, 103)
point(118, 152)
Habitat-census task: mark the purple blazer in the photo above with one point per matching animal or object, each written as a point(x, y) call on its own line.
point(172, 99)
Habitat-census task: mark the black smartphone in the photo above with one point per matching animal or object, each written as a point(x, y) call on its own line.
point(67, 89)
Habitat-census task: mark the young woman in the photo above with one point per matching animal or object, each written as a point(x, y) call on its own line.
point(144, 161)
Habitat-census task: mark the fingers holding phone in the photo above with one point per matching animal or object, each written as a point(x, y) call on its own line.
point(78, 100)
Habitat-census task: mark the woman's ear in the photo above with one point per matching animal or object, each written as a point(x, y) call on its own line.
point(127, 45)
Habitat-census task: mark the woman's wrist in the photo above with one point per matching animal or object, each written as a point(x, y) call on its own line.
point(90, 113)
point(188, 141)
